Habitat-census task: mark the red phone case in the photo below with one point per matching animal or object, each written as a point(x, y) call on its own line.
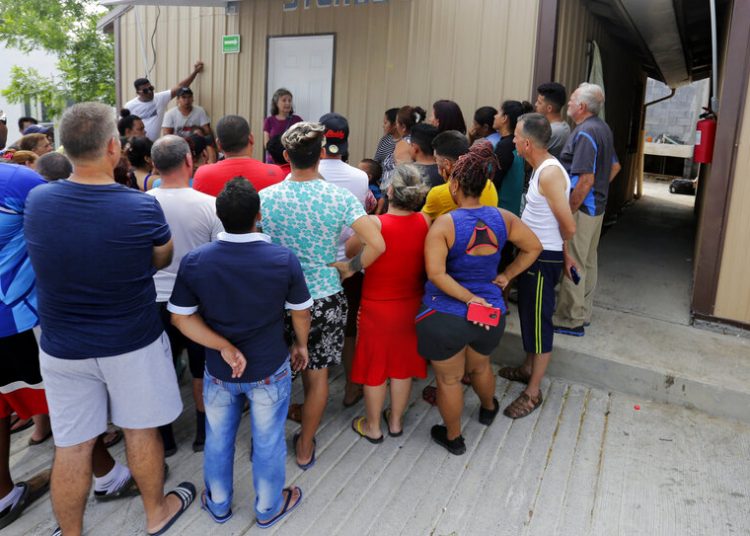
point(489, 316)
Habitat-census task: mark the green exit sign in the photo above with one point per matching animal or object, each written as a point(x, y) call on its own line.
point(230, 44)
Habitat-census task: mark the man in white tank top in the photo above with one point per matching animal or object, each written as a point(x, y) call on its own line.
point(548, 215)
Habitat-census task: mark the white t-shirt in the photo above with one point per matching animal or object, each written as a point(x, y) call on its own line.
point(350, 178)
point(151, 112)
point(183, 124)
point(191, 216)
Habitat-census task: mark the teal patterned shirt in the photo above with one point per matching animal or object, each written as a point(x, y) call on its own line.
point(308, 217)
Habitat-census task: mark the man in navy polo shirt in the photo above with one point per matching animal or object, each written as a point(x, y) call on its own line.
point(230, 296)
point(94, 246)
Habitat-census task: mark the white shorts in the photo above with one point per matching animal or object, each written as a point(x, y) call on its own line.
point(136, 390)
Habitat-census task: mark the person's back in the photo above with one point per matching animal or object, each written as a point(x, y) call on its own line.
point(96, 294)
point(236, 141)
point(511, 189)
point(560, 133)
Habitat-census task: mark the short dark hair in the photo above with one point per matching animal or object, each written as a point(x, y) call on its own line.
point(376, 170)
point(140, 82)
point(485, 116)
point(554, 94)
point(233, 133)
point(54, 166)
point(276, 150)
point(450, 144)
point(422, 136)
point(390, 114)
point(303, 142)
point(237, 205)
point(30, 141)
point(514, 109)
point(536, 127)
point(26, 119)
point(449, 116)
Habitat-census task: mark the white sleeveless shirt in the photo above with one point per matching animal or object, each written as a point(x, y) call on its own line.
point(537, 213)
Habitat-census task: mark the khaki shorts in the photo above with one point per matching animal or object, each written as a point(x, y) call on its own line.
point(135, 390)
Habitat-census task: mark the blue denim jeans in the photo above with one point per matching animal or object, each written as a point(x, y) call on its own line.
point(269, 403)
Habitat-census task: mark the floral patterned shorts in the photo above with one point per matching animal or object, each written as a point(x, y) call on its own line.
point(327, 324)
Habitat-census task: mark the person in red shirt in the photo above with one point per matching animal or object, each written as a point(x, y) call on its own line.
point(236, 142)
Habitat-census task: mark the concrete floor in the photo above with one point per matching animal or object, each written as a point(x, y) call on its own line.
point(645, 260)
point(589, 462)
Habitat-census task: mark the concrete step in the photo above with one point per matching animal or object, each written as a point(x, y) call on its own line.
point(654, 359)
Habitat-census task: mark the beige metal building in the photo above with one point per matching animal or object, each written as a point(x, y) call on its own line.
point(387, 53)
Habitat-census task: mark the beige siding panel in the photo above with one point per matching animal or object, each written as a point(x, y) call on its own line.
point(476, 52)
point(733, 293)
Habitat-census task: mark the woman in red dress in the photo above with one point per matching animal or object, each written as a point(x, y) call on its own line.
point(391, 296)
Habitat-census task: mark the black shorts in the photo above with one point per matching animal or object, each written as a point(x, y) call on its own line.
point(536, 301)
point(327, 325)
point(441, 335)
point(178, 342)
point(353, 290)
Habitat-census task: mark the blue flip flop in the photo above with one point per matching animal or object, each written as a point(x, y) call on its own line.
point(186, 493)
point(284, 511)
point(218, 519)
point(309, 464)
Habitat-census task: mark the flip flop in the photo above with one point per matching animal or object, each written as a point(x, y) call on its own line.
point(429, 395)
point(11, 513)
point(33, 442)
point(357, 427)
point(284, 511)
point(303, 466)
point(25, 426)
point(386, 418)
point(218, 519)
point(128, 489)
point(186, 493)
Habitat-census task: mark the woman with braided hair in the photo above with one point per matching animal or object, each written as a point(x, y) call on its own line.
point(462, 252)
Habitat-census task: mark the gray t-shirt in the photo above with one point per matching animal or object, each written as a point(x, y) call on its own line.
point(184, 124)
point(560, 133)
point(590, 149)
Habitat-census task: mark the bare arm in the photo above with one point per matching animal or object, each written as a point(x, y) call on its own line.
point(579, 193)
point(552, 187)
point(195, 329)
point(529, 247)
point(266, 137)
point(401, 153)
point(354, 245)
point(162, 255)
point(198, 67)
point(616, 167)
point(301, 327)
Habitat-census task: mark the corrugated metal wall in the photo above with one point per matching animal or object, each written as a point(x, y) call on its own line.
point(624, 84)
point(733, 293)
point(476, 52)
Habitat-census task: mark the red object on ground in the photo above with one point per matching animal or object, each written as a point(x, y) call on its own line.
point(636, 407)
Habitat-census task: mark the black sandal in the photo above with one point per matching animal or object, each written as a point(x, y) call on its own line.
point(387, 418)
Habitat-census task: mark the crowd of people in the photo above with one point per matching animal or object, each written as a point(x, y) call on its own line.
point(153, 236)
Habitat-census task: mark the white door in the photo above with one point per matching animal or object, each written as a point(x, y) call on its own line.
point(303, 65)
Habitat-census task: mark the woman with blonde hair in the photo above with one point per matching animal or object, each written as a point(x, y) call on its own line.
point(391, 296)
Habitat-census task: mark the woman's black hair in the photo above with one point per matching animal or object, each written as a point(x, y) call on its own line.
point(485, 116)
point(449, 116)
point(473, 169)
point(140, 148)
point(127, 120)
point(390, 114)
point(514, 109)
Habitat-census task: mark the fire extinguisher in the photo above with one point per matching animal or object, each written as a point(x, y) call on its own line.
point(705, 135)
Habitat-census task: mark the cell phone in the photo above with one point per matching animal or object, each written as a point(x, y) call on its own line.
point(574, 275)
point(489, 316)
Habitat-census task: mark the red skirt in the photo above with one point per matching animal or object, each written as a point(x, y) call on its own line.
point(387, 342)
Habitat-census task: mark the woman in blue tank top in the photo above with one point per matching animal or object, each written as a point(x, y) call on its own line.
point(462, 252)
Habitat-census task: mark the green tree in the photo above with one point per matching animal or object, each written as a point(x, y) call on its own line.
point(66, 28)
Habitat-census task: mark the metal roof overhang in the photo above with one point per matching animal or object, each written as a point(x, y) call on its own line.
point(672, 38)
point(189, 3)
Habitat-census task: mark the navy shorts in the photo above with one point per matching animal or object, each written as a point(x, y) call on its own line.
point(536, 301)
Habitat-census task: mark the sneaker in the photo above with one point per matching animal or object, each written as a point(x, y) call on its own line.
point(455, 446)
point(486, 416)
point(574, 332)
